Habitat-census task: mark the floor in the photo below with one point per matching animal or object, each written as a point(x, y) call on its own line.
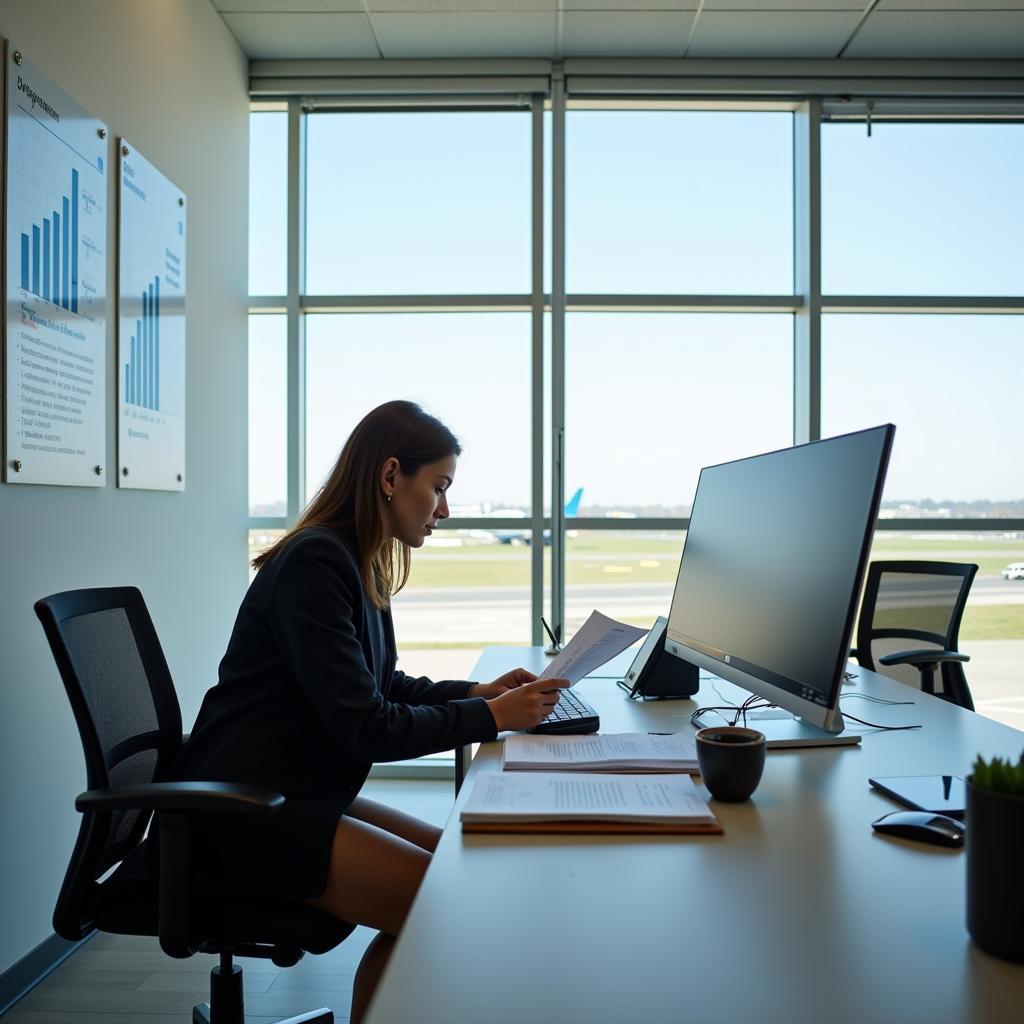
point(117, 979)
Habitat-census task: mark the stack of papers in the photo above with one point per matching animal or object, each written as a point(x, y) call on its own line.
point(560, 802)
point(622, 752)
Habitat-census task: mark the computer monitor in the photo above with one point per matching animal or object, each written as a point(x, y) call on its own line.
point(771, 571)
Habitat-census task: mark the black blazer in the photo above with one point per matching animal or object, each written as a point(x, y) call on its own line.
point(309, 696)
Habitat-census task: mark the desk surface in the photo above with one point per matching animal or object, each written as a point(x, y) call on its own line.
point(799, 913)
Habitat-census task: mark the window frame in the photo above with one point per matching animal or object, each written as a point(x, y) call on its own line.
point(544, 86)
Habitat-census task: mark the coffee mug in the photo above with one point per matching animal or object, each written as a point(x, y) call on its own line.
point(731, 761)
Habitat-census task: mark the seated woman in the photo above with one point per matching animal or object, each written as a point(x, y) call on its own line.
point(309, 697)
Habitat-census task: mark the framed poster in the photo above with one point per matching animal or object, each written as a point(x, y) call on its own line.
point(55, 298)
point(151, 327)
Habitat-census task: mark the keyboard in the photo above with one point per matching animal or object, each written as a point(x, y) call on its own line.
point(570, 715)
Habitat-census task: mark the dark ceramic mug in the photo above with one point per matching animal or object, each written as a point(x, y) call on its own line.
point(731, 761)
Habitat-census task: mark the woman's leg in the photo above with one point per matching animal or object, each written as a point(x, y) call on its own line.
point(413, 830)
point(372, 879)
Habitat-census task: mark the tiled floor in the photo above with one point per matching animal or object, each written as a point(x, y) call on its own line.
point(117, 979)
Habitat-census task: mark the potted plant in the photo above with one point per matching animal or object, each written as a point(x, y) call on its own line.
point(995, 857)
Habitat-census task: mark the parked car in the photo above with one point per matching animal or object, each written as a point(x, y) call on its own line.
point(1014, 571)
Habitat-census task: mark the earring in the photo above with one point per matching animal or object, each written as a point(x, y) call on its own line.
point(387, 498)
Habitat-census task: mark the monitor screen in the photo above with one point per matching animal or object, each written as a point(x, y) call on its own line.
point(773, 562)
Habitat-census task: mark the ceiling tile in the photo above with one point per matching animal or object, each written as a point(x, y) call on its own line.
point(771, 34)
point(288, 6)
point(786, 5)
point(630, 5)
point(286, 36)
point(950, 5)
point(433, 6)
point(626, 34)
point(468, 34)
point(963, 35)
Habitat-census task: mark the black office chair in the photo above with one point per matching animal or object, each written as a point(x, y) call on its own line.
point(129, 721)
point(909, 625)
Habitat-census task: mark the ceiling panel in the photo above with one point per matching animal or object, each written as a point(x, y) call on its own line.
point(288, 6)
point(954, 34)
point(771, 34)
point(469, 34)
point(620, 34)
point(787, 5)
point(270, 36)
point(630, 5)
point(433, 6)
point(950, 5)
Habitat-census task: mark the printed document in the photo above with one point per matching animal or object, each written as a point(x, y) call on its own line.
point(557, 796)
point(597, 640)
point(616, 752)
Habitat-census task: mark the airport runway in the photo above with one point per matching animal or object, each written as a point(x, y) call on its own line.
point(437, 615)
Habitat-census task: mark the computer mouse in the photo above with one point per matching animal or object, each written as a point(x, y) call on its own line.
point(924, 826)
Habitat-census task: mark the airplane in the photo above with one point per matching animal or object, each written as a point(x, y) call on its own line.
point(525, 536)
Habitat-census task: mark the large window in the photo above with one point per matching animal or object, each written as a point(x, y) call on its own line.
point(711, 291)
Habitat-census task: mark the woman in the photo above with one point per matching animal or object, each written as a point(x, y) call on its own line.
point(309, 697)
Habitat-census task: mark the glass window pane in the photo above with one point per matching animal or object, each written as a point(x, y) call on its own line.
point(268, 203)
point(471, 370)
point(949, 384)
point(685, 202)
point(418, 203)
point(651, 398)
point(268, 418)
point(629, 575)
point(992, 631)
point(922, 209)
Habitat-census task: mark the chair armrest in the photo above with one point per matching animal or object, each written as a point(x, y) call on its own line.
point(173, 803)
point(922, 657)
point(182, 796)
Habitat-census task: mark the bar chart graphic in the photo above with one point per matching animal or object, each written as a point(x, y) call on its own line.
point(55, 300)
point(56, 240)
point(151, 326)
point(142, 371)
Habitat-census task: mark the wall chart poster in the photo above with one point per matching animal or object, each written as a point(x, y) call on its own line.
point(151, 327)
point(55, 301)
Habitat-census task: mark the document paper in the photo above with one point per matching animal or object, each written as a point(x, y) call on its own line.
point(616, 752)
point(597, 640)
point(548, 796)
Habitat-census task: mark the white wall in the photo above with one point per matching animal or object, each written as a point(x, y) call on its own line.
point(169, 76)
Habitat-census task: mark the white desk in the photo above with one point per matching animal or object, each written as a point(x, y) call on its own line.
point(799, 913)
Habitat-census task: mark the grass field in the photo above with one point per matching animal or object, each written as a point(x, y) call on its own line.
point(607, 557)
point(600, 557)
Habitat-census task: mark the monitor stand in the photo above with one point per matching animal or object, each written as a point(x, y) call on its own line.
point(783, 730)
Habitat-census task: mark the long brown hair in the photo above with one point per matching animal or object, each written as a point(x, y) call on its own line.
point(351, 494)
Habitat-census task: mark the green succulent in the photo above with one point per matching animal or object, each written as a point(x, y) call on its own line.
point(999, 776)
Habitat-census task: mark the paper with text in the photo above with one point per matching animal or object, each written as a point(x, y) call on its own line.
point(540, 796)
point(596, 641)
point(615, 752)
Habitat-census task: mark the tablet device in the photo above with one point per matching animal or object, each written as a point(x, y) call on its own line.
point(940, 794)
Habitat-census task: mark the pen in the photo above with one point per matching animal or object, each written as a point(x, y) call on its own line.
point(547, 629)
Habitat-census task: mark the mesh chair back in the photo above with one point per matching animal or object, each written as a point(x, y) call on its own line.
point(914, 606)
point(128, 719)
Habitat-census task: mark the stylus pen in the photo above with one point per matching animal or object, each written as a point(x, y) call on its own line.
point(547, 629)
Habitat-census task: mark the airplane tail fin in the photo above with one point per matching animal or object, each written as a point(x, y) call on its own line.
point(573, 504)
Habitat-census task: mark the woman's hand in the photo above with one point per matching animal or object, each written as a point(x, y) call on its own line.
point(509, 681)
point(526, 705)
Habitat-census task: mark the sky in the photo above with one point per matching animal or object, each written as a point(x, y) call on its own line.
point(657, 201)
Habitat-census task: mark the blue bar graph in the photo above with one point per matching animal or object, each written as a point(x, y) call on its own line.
point(46, 259)
point(58, 281)
point(35, 258)
point(74, 241)
point(142, 372)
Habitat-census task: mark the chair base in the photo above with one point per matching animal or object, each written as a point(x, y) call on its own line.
point(201, 1015)
point(227, 1005)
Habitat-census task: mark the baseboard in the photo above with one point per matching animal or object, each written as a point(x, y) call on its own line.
point(19, 979)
